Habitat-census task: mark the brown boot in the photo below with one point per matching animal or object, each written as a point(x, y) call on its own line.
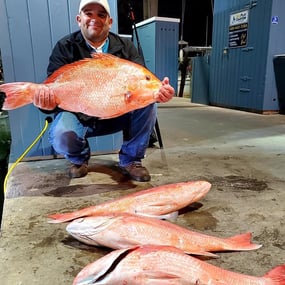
point(137, 172)
point(77, 171)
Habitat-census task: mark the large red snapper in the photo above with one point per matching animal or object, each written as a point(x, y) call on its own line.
point(124, 230)
point(163, 265)
point(104, 86)
point(157, 201)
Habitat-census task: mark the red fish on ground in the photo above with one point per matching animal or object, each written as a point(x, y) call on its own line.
point(124, 230)
point(156, 201)
point(104, 86)
point(163, 265)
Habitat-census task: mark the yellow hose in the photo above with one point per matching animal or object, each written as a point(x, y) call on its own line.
point(47, 121)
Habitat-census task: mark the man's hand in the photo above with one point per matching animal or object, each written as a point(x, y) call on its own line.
point(166, 91)
point(44, 98)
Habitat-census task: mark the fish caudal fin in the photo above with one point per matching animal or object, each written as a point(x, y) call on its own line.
point(17, 94)
point(276, 275)
point(243, 242)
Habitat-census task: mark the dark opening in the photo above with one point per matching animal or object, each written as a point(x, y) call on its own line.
point(5, 142)
point(196, 25)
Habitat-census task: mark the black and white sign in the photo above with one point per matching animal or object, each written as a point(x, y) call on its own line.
point(238, 29)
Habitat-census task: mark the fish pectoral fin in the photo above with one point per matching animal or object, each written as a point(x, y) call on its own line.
point(156, 277)
point(126, 242)
point(128, 96)
point(202, 253)
point(88, 280)
point(172, 217)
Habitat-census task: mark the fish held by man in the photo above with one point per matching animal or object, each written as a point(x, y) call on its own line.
point(104, 86)
point(164, 265)
point(124, 230)
point(159, 201)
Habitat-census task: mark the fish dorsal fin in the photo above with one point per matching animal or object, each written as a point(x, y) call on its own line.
point(107, 57)
point(104, 59)
point(100, 55)
point(63, 69)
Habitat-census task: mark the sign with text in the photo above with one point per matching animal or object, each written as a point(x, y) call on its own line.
point(238, 29)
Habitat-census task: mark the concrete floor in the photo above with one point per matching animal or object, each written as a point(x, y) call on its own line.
point(242, 154)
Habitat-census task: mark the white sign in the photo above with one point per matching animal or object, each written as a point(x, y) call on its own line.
point(239, 18)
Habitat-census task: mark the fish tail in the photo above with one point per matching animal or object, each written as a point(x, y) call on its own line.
point(276, 275)
point(242, 242)
point(17, 94)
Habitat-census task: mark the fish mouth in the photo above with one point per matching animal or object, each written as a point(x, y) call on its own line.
point(2, 99)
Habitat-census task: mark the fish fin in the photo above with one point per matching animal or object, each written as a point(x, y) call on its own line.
point(243, 242)
point(170, 216)
point(67, 69)
point(99, 55)
point(128, 96)
point(18, 94)
point(107, 58)
point(154, 277)
point(88, 280)
point(276, 275)
point(203, 253)
point(62, 218)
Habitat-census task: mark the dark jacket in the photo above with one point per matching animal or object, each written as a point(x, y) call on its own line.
point(73, 47)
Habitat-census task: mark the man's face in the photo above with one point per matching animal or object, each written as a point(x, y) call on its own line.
point(94, 22)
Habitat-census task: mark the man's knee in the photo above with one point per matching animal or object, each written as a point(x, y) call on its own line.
point(67, 142)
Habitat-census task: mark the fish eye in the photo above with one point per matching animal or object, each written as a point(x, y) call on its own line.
point(147, 77)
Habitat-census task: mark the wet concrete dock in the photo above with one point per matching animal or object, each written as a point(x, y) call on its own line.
point(242, 154)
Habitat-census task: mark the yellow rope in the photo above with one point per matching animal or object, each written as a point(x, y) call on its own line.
point(24, 153)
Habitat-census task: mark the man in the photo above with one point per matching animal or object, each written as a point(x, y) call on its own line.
point(69, 131)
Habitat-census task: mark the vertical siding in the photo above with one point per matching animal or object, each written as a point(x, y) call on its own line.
point(167, 51)
point(243, 77)
point(200, 79)
point(146, 34)
point(276, 45)
point(25, 63)
point(253, 57)
point(28, 31)
point(159, 41)
point(220, 38)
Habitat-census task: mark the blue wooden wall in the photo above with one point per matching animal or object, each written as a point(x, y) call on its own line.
point(28, 31)
point(200, 79)
point(158, 37)
point(243, 77)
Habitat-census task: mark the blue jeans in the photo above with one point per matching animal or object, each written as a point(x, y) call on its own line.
point(68, 135)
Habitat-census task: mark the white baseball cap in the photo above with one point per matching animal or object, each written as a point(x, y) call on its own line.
point(103, 3)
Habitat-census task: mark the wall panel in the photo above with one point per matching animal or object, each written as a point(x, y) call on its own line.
point(28, 31)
